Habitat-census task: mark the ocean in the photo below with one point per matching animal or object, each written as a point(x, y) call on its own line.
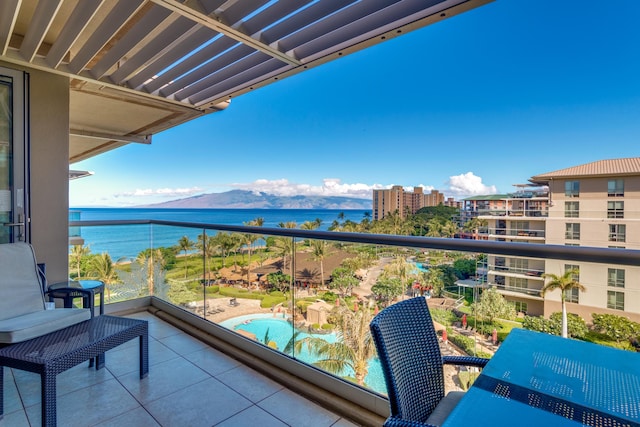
point(126, 242)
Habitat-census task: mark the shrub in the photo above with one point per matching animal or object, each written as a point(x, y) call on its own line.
point(276, 293)
point(229, 291)
point(212, 289)
point(315, 326)
point(442, 316)
point(302, 306)
point(269, 301)
point(615, 327)
point(329, 297)
point(502, 335)
point(576, 326)
point(602, 339)
point(327, 326)
point(467, 378)
point(466, 344)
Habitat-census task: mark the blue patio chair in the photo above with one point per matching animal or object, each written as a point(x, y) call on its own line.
point(412, 365)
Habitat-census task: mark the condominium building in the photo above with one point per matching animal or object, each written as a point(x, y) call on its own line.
point(515, 217)
point(404, 202)
point(451, 202)
point(596, 205)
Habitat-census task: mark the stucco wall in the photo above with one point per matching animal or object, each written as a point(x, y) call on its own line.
point(49, 137)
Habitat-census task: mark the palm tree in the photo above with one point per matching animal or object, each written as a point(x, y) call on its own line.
point(474, 225)
point(237, 240)
point(320, 250)
point(249, 239)
point(565, 283)
point(401, 269)
point(78, 252)
point(353, 348)
point(286, 245)
point(225, 242)
point(439, 227)
point(433, 278)
point(148, 260)
point(185, 245)
point(311, 225)
point(102, 269)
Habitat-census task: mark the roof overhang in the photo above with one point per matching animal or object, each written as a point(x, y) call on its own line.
point(138, 67)
point(76, 174)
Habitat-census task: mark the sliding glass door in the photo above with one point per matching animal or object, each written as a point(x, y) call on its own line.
point(14, 194)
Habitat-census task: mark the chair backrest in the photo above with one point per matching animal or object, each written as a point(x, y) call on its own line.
point(20, 286)
point(410, 357)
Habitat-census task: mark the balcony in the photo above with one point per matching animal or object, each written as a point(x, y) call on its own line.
point(515, 234)
point(517, 213)
point(517, 291)
point(198, 360)
point(190, 384)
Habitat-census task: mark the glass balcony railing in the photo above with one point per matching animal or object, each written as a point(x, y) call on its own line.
point(513, 232)
point(538, 212)
point(75, 237)
point(527, 272)
point(517, 289)
point(294, 290)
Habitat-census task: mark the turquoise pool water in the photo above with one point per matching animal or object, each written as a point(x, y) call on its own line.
point(280, 331)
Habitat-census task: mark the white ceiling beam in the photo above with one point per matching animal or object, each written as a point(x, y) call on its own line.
point(41, 20)
point(8, 15)
point(78, 21)
point(212, 23)
point(111, 137)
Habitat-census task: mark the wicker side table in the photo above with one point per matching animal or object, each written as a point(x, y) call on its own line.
point(85, 289)
point(58, 351)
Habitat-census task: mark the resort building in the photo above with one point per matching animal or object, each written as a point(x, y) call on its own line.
point(451, 202)
point(514, 217)
point(404, 202)
point(593, 205)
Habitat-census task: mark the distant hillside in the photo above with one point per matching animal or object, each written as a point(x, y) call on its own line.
point(242, 199)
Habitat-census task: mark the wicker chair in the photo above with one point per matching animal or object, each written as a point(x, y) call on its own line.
point(22, 311)
point(412, 364)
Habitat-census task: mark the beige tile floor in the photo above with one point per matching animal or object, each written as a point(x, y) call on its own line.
point(189, 384)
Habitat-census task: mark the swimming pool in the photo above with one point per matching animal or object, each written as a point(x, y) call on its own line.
point(281, 331)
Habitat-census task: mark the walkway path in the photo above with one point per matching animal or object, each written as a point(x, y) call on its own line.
point(364, 288)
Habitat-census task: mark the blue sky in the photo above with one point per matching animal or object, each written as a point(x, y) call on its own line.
point(468, 106)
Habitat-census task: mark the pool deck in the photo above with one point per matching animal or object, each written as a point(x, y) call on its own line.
point(247, 306)
point(244, 306)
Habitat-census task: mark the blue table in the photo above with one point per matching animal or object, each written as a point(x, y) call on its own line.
point(537, 379)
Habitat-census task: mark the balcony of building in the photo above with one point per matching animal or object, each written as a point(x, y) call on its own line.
point(515, 212)
point(508, 289)
point(75, 237)
point(191, 383)
point(206, 371)
point(515, 234)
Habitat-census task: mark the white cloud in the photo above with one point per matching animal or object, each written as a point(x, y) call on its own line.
point(329, 187)
point(160, 192)
point(468, 184)
point(458, 186)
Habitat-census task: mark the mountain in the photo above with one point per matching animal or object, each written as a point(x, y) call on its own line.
point(242, 199)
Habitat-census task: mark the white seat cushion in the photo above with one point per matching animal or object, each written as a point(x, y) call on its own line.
point(444, 408)
point(31, 325)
